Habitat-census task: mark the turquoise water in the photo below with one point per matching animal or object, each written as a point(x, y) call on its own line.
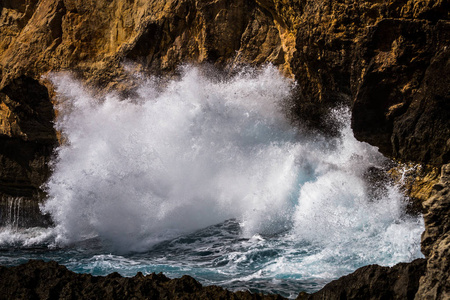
point(215, 255)
point(208, 178)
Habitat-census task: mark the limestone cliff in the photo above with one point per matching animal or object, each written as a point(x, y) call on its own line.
point(435, 284)
point(389, 60)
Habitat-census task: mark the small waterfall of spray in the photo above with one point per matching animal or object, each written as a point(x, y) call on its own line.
point(17, 214)
point(13, 216)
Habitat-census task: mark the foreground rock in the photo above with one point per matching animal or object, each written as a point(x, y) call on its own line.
point(374, 282)
point(41, 280)
point(48, 280)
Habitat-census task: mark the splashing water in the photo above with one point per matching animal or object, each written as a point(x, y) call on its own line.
point(208, 178)
point(13, 214)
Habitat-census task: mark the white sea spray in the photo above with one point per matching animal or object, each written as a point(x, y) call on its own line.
point(186, 154)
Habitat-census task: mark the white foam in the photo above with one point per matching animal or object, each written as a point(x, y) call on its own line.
point(26, 237)
point(138, 171)
point(198, 151)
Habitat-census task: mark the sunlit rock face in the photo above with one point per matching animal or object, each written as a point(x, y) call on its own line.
point(389, 60)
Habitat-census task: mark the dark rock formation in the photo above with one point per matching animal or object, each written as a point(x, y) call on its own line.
point(48, 280)
point(435, 284)
point(27, 136)
point(374, 282)
point(379, 57)
point(401, 101)
point(41, 280)
point(27, 140)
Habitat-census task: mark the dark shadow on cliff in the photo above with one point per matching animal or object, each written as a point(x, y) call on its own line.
point(26, 145)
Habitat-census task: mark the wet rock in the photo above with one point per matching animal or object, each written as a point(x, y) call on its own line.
point(417, 181)
point(48, 280)
point(374, 282)
point(21, 212)
point(435, 284)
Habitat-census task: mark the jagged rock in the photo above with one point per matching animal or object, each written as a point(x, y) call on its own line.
point(401, 103)
point(27, 137)
point(93, 39)
point(48, 280)
point(435, 284)
point(374, 282)
point(417, 182)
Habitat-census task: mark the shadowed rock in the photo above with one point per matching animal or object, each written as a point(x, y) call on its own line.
point(435, 284)
point(48, 280)
point(374, 282)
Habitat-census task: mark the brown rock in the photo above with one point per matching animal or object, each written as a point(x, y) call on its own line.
point(435, 284)
point(417, 183)
point(374, 282)
point(402, 96)
point(48, 280)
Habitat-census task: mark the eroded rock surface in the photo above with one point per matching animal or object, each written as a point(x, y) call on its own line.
point(435, 284)
point(374, 282)
point(389, 59)
point(401, 103)
point(41, 280)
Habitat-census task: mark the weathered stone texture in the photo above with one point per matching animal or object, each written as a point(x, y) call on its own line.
point(401, 104)
point(435, 284)
point(41, 280)
point(374, 282)
point(388, 59)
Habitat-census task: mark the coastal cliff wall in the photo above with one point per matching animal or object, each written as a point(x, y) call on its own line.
point(388, 60)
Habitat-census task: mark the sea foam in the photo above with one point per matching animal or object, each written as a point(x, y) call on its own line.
point(184, 154)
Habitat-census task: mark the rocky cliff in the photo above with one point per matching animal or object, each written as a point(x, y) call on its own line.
point(388, 60)
point(435, 284)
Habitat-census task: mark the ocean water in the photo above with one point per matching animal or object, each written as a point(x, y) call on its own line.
point(207, 177)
